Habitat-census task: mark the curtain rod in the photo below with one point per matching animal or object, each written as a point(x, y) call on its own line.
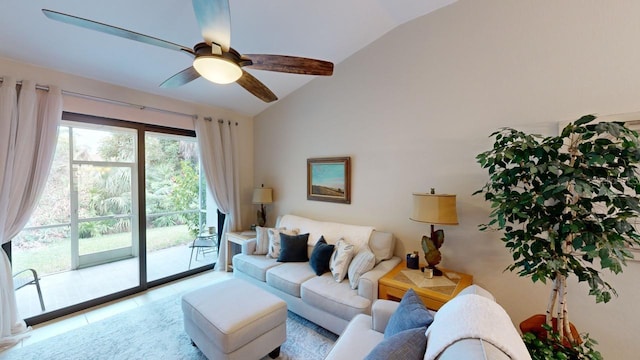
point(110, 101)
point(220, 121)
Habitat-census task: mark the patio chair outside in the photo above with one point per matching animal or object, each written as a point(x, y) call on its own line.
point(28, 277)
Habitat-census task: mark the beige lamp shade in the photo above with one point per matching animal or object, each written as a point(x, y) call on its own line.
point(435, 209)
point(262, 195)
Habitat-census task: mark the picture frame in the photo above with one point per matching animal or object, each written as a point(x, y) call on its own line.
point(329, 179)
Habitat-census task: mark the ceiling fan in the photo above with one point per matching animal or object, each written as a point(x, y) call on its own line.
point(214, 59)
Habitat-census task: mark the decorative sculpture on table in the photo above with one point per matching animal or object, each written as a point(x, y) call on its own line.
point(431, 246)
point(434, 209)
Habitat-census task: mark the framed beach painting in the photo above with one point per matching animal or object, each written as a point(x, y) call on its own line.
point(329, 179)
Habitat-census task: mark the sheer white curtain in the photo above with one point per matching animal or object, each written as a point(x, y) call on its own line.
point(28, 132)
point(218, 153)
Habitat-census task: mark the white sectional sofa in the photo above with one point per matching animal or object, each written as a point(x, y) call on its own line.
point(472, 326)
point(320, 299)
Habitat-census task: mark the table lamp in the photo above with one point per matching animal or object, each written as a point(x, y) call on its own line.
point(435, 209)
point(261, 196)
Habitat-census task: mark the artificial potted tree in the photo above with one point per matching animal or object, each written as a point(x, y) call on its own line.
point(564, 202)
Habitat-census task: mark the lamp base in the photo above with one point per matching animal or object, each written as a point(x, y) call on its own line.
point(261, 216)
point(434, 269)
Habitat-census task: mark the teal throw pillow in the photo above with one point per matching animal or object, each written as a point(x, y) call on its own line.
point(293, 248)
point(410, 314)
point(406, 345)
point(321, 256)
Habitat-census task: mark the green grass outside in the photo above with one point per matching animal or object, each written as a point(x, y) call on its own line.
point(56, 257)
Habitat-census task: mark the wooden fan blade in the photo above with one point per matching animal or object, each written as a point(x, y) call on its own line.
point(290, 64)
point(214, 19)
point(254, 86)
point(183, 77)
point(112, 30)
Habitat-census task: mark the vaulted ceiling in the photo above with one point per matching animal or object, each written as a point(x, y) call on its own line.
point(330, 30)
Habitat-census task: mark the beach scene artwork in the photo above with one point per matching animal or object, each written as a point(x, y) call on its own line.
point(328, 179)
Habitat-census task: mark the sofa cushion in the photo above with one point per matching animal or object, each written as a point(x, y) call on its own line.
point(382, 244)
point(340, 259)
point(293, 248)
point(336, 298)
point(406, 345)
point(355, 234)
point(320, 256)
point(255, 266)
point(411, 314)
point(289, 276)
point(360, 264)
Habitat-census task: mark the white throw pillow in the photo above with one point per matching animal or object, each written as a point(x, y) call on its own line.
point(274, 240)
point(340, 259)
point(262, 240)
point(364, 261)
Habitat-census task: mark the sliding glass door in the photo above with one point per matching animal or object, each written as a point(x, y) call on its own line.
point(122, 207)
point(175, 205)
point(104, 213)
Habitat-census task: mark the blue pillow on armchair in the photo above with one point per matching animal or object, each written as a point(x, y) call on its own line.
point(406, 345)
point(410, 314)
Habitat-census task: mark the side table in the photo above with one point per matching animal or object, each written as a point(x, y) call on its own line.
point(235, 237)
point(434, 292)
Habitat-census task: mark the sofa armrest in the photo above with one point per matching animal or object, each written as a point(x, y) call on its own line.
point(249, 246)
point(368, 283)
point(381, 312)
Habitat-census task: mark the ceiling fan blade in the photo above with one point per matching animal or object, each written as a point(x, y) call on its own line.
point(290, 64)
point(112, 30)
point(254, 86)
point(183, 77)
point(214, 19)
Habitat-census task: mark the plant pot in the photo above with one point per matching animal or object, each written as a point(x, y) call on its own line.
point(534, 325)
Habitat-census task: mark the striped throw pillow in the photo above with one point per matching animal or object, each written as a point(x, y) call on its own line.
point(364, 261)
point(274, 240)
point(342, 255)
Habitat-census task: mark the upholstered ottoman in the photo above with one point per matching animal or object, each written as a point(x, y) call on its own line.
point(234, 319)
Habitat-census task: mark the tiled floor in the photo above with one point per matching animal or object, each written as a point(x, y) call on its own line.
point(72, 287)
point(76, 320)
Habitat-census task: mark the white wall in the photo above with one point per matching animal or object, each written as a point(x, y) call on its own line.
point(76, 84)
point(415, 107)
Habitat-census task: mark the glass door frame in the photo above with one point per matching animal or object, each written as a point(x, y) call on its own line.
point(79, 261)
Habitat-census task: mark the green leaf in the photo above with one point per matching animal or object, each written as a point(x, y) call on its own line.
point(584, 120)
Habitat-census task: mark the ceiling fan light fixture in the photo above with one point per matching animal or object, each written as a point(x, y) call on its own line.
point(217, 69)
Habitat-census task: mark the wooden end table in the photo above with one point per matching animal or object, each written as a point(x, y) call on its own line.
point(239, 238)
point(434, 292)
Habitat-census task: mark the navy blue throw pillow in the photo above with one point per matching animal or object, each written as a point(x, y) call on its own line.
point(293, 248)
point(321, 256)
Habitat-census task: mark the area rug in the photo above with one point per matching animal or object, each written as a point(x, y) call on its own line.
point(155, 331)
